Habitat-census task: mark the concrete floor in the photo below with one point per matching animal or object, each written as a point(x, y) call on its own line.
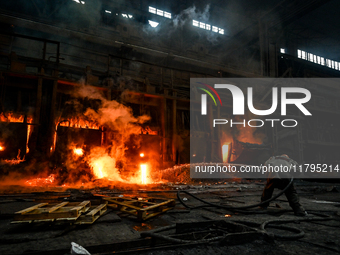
point(113, 227)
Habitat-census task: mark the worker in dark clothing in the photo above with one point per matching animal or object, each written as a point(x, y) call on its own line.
point(278, 180)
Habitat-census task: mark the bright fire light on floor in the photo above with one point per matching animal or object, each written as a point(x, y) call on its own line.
point(143, 173)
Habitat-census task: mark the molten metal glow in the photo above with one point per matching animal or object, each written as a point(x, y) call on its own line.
point(78, 151)
point(141, 155)
point(54, 140)
point(28, 138)
point(143, 174)
point(225, 152)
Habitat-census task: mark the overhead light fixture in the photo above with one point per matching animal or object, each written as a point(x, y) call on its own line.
point(153, 23)
point(152, 10)
point(160, 12)
point(128, 16)
point(282, 50)
point(205, 26)
point(167, 15)
point(107, 11)
point(318, 59)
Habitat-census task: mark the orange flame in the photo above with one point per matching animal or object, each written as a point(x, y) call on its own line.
point(18, 118)
point(12, 117)
point(79, 123)
point(2, 148)
point(141, 155)
point(78, 151)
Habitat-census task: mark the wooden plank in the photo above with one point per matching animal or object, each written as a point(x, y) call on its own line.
point(45, 216)
point(170, 202)
point(93, 215)
point(142, 209)
point(99, 208)
point(128, 200)
point(56, 212)
point(156, 213)
point(82, 205)
point(124, 204)
point(56, 207)
point(31, 208)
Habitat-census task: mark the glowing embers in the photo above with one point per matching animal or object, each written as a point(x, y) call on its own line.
point(41, 181)
point(226, 148)
point(2, 148)
point(78, 151)
point(79, 123)
point(15, 161)
point(144, 172)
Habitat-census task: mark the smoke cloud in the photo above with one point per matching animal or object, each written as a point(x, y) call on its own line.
point(189, 14)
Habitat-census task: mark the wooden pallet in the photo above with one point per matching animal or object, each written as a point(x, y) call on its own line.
point(143, 209)
point(94, 213)
point(51, 212)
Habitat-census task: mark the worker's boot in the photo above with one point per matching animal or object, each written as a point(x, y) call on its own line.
point(294, 202)
point(300, 211)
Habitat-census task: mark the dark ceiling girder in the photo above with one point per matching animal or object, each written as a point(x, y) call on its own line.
point(289, 15)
